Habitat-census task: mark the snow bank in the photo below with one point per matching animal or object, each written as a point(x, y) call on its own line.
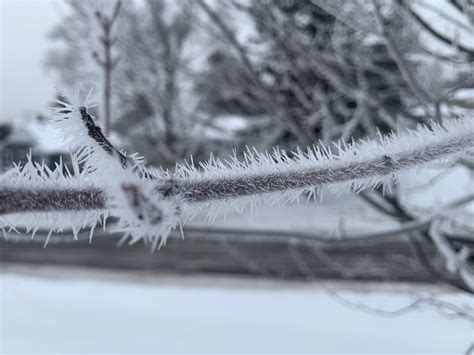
point(205, 315)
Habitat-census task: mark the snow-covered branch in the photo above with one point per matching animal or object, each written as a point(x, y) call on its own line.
point(149, 203)
point(456, 262)
point(356, 166)
point(16, 200)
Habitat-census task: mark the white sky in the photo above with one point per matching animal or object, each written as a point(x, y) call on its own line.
point(25, 87)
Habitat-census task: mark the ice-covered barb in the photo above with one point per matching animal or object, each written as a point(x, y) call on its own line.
point(150, 203)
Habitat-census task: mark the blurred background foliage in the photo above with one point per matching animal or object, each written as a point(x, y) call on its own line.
point(194, 77)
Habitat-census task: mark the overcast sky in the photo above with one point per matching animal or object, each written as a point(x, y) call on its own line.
point(25, 86)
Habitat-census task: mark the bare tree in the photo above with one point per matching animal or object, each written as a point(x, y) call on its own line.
point(151, 88)
point(91, 36)
point(324, 82)
point(106, 60)
point(154, 80)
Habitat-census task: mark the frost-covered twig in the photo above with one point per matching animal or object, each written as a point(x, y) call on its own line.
point(362, 167)
point(15, 200)
point(149, 203)
point(456, 262)
point(95, 132)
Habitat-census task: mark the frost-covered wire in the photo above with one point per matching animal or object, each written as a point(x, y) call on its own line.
point(151, 202)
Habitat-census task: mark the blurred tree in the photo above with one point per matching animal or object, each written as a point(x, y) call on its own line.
point(225, 87)
point(153, 79)
point(332, 80)
point(153, 108)
point(88, 57)
point(105, 60)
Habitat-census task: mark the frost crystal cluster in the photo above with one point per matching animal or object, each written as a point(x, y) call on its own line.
point(149, 203)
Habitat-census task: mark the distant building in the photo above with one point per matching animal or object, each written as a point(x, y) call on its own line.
point(39, 138)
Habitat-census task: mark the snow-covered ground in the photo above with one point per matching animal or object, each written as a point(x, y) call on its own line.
point(85, 312)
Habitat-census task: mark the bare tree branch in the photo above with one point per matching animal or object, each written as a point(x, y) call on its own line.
point(435, 33)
